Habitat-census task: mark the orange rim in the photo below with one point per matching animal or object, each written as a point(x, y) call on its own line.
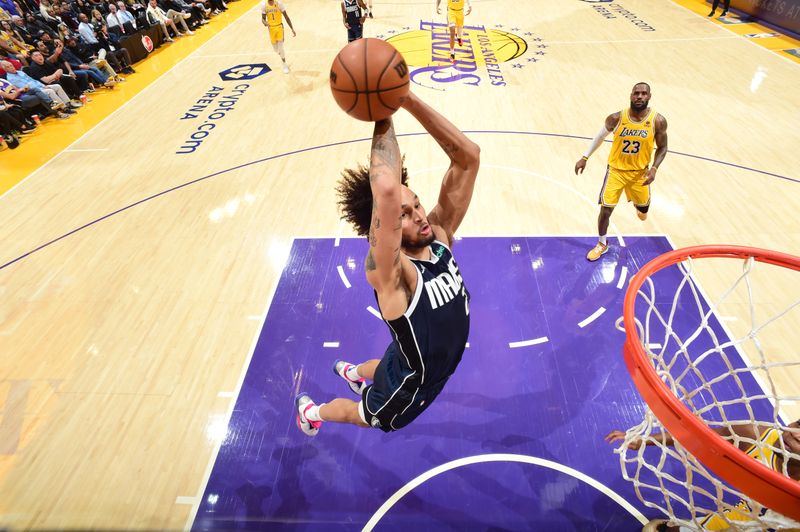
point(772, 489)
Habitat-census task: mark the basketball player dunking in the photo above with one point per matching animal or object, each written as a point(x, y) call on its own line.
point(455, 19)
point(417, 283)
point(272, 14)
point(767, 451)
point(353, 16)
point(635, 131)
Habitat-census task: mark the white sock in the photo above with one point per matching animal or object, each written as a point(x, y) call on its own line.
point(312, 414)
point(278, 47)
point(603, 239)
point(352, 374)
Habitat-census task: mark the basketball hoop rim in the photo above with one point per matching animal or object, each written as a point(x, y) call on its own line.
point(772, 489)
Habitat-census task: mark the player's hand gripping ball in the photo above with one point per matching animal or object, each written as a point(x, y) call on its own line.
point(369, 79)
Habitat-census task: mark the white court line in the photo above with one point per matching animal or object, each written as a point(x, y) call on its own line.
point(739, 37)
point(375, 313)
point(182, 499)
point(338, 234)
point(526, 343)
point(330, 344)
point(121, 107)
point(597, 313)
point(218, 445)
point(622, 277)
point(519, 458)
point(342, 276)
point(226, 395)
point(572, 189)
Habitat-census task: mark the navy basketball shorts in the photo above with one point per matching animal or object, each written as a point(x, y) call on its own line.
point(384, 405)
point(356, 31)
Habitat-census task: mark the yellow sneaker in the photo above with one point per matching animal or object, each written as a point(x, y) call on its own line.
point(642, 215)
point(597, 251)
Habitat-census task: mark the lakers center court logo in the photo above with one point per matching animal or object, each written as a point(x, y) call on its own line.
point(485, 56)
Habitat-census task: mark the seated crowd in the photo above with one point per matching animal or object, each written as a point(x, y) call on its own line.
point(53, 54)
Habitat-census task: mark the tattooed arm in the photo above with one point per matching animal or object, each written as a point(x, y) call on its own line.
point(459, 180)
point(383, 262)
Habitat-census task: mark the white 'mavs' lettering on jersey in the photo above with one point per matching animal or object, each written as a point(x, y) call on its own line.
point(445, 287)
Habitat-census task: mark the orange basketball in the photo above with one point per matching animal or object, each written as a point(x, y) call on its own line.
point(369, 79)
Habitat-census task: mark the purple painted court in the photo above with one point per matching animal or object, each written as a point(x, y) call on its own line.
point(542, 380)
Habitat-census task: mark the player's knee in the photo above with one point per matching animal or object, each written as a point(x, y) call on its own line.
point(358, 417)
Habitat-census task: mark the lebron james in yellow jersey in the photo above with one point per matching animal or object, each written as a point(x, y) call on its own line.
point(637, 130)
point(272, 15)
point(455, 19)
point(768, 449)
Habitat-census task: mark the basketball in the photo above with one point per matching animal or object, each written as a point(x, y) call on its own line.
point(369, 79)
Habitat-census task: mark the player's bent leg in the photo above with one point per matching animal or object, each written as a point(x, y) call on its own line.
point(351, 375)
point(452, 43)
point(342, 411)
point(601, 247)
point(282, 53)
point(639, 194)
point(307, 416)
point(367, 369)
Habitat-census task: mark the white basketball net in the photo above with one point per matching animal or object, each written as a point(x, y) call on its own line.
point(713, 376)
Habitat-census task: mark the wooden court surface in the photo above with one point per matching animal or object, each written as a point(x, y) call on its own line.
point(123, 343)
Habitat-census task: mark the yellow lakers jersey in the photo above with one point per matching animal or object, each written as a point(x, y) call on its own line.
point(633, 143)
point(455, 5)
point(274, 16)
point(765, 455)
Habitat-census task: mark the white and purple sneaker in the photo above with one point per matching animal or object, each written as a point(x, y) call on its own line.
point(302, 403)
point(340, 367)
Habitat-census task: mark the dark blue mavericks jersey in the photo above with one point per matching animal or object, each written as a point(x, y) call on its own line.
point(429, 340)
point(352, 11)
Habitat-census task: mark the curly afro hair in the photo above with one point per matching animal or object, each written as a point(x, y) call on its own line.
point(354, 197)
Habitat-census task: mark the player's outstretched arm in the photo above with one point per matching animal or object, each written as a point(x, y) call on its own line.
point(385, 231)
point(458, 184)
point(618, 435)
point(610, 124)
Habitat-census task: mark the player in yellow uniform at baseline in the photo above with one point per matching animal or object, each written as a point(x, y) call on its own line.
point(455, 19)
point(635, 130)
point(272, 14)
point(767, 451)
